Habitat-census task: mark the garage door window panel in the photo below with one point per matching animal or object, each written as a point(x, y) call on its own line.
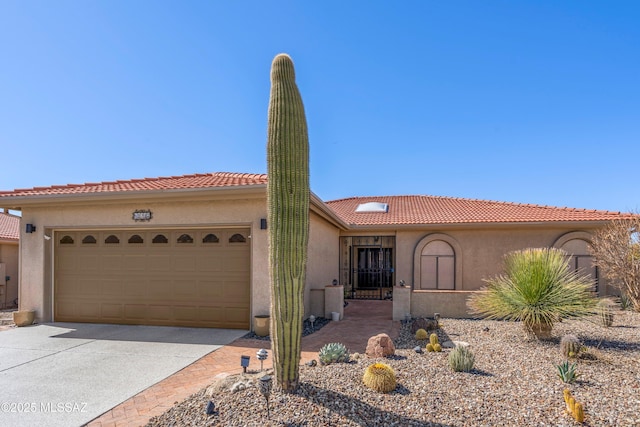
point(159, 239)
point(136, 239)
point(112, 239)
point(210, 238)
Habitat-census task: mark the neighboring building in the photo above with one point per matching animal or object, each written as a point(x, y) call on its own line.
point(192, 250)
point(9, 250)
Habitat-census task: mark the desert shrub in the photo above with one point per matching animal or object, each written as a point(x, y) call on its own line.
point(537, 288)
point(461, 359)
point(380, 377)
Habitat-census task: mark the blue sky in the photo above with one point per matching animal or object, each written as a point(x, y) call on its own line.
point(519, 101)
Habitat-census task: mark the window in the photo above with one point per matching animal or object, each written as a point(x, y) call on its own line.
point(66, 240)
point(136, 239)
point(437, 266)
point(89, 239)
point(112, 239)
point(185, 238)
point(237, 238)
point(210, 238)
point(160, 238)
point(580, 259)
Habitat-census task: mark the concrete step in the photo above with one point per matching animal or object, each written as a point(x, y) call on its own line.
point(6, 317)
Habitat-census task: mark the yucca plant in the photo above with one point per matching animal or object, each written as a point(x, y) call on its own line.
point(537, 288)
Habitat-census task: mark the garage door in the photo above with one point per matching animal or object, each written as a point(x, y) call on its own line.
point(153, 277)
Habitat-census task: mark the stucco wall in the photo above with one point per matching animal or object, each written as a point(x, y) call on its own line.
point(322, 258)
point(9, 256)
point(480, 256)
point(36, 259)
point(482, 249)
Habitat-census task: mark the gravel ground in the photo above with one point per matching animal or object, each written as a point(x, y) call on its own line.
point(514, 383)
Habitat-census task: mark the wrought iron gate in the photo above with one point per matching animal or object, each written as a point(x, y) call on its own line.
point(367, 266)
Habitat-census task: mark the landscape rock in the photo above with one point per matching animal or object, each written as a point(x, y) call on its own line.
point(380, 345)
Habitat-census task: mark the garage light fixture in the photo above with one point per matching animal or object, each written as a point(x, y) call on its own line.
point(263, 223)
point(31, 228)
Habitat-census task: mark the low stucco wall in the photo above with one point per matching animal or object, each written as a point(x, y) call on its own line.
point(451, 304)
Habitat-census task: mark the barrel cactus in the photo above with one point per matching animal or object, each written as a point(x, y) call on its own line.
point(421, 334)
point(288, 218)
point(380, 377)
point(570, 346)
point(333, 353)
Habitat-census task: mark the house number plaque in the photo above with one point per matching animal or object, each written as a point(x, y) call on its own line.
point(142, 215)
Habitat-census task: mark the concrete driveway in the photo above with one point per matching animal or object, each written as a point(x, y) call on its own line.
point(66, 374)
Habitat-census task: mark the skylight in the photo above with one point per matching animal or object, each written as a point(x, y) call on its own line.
point(373, 207)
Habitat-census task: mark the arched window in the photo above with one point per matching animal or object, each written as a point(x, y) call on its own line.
point(237, 238)
point(580, 259)
point(112, 239)
point(437, 266)
point(185, 238)
point(136, 239)
point(160, 238)
point(66, 240)
point(210, 238)
point(89, 239)
point(576, 244)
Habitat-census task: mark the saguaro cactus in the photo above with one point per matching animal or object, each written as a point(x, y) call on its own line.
point(288, 215)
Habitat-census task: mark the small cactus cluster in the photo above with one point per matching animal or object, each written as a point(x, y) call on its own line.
point(333, 353)
point(380, 377)
point(434, 345)
point(574, 408)
point(461, 359)
point(421, 334)
point(570, 346)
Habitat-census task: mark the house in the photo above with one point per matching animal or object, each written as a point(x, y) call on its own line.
point(9, 238)
point(193, 250)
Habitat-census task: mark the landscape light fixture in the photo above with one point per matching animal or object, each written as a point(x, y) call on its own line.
point(211, 408)
point(264, 385)
point(312, 320)
point(31, 228)
point(262, 355)
point(244, 362)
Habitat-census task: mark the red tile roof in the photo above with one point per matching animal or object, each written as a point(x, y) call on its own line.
point(407, 210)
point(403, 210)
point(218, 179)
point(9, 227)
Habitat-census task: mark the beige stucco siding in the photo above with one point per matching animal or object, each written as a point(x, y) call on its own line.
point(322, 256)
point(36, 265)
point(481, 249)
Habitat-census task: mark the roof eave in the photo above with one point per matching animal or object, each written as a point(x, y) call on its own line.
point(18, 202)
point(461, 225)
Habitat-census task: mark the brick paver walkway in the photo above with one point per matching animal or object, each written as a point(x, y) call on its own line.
point(362, 319)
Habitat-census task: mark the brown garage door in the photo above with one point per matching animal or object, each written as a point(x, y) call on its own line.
point(153, 277)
